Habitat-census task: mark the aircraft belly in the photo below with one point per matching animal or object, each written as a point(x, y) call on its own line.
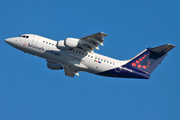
point(96, 70)
point(124, 73)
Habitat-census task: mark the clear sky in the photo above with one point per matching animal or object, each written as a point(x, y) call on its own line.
point(31, 91)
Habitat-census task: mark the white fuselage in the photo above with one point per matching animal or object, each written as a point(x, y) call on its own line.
point(76, 55)
point(73, 58)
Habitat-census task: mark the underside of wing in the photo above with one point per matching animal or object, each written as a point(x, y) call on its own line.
point(70, 72)
point(91, 42)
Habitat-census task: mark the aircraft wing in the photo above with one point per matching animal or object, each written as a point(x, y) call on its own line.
point(91, 42)
point(70, 72)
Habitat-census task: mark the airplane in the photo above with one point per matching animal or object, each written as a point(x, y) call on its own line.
point(77, 54)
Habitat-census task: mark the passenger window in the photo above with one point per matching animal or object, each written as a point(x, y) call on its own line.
point(101, 59)
point(107, 61)
point(53, 44)
point(79, 52)
point(43, 41)
point(88, 55)
point(82, 53)
point(110, 62)
point(98, 58)
point(113, 64)
point(49, 43)
point(76, 51)
point(95, 57)
point(91, 56)
point(46, 42)
point(73, 51)
point(104, 60)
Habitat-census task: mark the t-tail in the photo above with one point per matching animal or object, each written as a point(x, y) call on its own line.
point(144, 63)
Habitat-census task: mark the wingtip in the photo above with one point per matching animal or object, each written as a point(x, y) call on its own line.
point(103, 33)
point(171, 45)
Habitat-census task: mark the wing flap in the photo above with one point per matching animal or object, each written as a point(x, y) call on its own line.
point(97, 36)
point(70, 72)
point(91, 42)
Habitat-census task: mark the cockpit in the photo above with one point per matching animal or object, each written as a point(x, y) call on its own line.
point(24, 36)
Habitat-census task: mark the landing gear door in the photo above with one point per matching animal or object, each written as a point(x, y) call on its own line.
point(35, 40)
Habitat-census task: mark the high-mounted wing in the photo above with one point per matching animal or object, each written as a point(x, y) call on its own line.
point(91, 42)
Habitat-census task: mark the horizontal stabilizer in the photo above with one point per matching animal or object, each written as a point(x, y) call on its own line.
point(162, 49)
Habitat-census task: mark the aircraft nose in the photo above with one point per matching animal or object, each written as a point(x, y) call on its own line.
point(7, 40)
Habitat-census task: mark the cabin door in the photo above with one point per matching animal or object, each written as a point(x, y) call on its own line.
point(35, 40)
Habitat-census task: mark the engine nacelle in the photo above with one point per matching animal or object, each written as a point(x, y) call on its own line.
point(71, 42)
point(54, 66)
point(61, 46)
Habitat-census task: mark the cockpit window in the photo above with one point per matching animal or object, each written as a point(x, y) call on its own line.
point(24, 36)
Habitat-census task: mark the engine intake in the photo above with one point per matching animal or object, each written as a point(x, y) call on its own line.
point(61, 46)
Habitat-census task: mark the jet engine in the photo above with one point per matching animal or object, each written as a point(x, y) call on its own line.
point(68, 43)
point(61, 46)
point(71, 42)
point(54, 66)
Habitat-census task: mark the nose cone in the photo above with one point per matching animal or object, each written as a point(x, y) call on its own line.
point(7, 41)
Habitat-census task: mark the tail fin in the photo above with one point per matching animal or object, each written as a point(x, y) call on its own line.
point(149, 59)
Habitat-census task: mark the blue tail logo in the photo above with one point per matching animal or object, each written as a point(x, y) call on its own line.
point(149, 59)
point(139, 62)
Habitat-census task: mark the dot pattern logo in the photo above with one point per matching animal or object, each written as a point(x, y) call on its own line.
point(139, 60)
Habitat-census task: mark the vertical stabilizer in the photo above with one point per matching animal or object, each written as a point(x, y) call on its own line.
point(149, 59)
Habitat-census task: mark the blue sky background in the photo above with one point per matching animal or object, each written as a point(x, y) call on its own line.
point(29, 90)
